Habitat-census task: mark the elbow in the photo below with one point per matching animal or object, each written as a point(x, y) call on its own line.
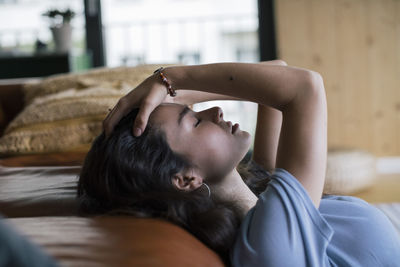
point(280, 62)
point(314, 82)
point(316, 91)
point(317, 79)
point(311, 91)
point(276, 62)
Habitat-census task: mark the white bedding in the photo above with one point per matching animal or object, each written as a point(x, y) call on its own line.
point(392, 210)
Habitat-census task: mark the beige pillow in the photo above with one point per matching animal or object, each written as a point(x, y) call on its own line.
point(65, 112)
point(112, 77)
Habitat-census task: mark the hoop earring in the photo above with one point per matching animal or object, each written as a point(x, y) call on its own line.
point(208, 188)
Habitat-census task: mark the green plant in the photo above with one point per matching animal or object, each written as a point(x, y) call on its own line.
point(59, 17)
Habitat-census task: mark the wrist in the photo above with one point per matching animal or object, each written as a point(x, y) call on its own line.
point(176, 76)
point(165, 81)
point(180, 79)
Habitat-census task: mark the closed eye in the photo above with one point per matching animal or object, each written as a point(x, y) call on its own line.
point(198, 122)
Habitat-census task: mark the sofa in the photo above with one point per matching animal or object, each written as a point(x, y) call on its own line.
point(46, 128)
point(38, 198)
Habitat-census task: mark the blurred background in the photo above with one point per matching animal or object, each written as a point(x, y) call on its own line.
point(116, 33)
point(65, 63)
point(354, 44)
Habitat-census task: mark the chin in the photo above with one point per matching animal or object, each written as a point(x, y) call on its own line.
point(248, 140)
point(244, 152)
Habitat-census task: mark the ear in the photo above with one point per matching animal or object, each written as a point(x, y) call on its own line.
point(187, 181)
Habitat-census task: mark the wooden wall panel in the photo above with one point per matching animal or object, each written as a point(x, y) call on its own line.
point(355, 45)
point(397, 58)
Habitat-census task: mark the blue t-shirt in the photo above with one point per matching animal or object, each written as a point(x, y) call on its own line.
point(284, 228)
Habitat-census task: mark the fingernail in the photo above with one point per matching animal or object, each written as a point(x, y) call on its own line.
point(137, 131)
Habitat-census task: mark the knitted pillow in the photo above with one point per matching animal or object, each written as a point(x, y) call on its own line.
point(113, 77)
point(65, 112)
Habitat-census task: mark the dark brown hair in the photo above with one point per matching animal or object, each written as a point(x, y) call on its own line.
point(124, 174)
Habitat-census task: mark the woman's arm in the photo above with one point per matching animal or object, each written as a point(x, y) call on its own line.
point(190, 97)
point(270, 85)
point(268, 128)
point(298, 93)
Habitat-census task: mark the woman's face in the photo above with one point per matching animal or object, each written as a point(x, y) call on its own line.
point(204, 137)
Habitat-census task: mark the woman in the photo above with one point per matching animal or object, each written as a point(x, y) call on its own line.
point(162, 158)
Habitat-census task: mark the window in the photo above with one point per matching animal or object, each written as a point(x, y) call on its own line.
point(188, 32)
point(189, 58)
point(22, 24)
point(8, 1)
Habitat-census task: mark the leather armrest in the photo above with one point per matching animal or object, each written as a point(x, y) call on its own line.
point(116, 241)
point(11, 99)
point(38, 191)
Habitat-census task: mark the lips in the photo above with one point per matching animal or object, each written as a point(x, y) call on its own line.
point(232, 129)
point(235, 127)
point(229, 126)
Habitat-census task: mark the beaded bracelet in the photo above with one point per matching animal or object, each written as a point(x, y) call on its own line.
point(170, 90)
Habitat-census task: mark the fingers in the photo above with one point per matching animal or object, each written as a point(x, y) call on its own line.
point(119, 110)
point(142, 118)
point(149, 99)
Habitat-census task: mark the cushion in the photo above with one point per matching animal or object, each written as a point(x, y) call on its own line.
point(349, 170)
point(113, 77)
point(65, 112)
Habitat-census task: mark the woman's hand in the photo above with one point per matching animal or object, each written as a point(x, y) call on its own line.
point(147, 96)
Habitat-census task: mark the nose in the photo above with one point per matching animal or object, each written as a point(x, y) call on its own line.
point(219, 114)
point(214, 114)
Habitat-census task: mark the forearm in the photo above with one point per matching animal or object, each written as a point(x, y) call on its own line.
point(265, 84)
point(190, 97)
point(266, 139)
point(268, 128)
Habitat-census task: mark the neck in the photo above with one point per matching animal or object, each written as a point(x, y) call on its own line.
point(235, 190)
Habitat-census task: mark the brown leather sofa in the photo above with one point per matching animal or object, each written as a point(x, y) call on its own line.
point(37, 196)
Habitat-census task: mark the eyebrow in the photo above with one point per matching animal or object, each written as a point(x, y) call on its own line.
point(182, 114)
